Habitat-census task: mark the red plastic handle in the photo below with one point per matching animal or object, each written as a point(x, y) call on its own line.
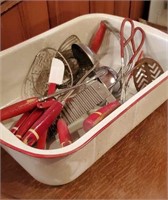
point(29, 122)
point(18, 108)
point(19, 123)
point(42, 124)
point(100, 114)
point(63, 133)
point(97, 38)
point(51, 88)
point(41, 143)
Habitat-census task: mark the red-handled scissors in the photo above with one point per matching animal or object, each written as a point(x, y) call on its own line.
point(126, 68)
point(131, 39)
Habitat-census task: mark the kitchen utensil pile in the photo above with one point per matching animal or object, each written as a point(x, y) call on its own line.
point(69, 90)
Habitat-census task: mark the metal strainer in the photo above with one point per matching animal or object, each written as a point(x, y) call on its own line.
point(36, 81)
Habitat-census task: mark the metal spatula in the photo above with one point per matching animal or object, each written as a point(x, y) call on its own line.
point(145, 71)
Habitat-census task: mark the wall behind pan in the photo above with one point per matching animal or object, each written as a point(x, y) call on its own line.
point(21, 20)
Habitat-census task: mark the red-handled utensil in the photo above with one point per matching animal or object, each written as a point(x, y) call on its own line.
point(97, 38)
point(100, 114)
point(41, 142)
point(131, 39)
point(42, 124)
point(19, 123)
point(28, 104)
point(29, 122)
point(63, 133)
point(18, 108)
point(55, 77)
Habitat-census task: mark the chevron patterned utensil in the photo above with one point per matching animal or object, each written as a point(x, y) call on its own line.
point(145, 71)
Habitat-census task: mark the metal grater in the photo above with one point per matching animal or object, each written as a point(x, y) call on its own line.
point(95, 94)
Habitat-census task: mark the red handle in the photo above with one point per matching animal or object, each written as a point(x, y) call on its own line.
point(133, 31)
point(51, 88)
point(42, 124)
point(18, 108)
point(63, 133)
point(100, 114)
point(136, 49)
point(19, 123)
point(45, 104)
point(97, 39)
point(123, 41)
point(29, 122)
point(41, 143)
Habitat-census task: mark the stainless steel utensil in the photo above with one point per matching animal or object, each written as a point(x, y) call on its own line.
point(107, 76)
point(146, 70)
point(93, 95)
point(84, 55)
point(110, 78)
point(35, 83)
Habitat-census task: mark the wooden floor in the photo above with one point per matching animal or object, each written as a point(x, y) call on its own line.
point(135, 168)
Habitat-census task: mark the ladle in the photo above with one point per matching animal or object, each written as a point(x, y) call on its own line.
point(85, 55)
